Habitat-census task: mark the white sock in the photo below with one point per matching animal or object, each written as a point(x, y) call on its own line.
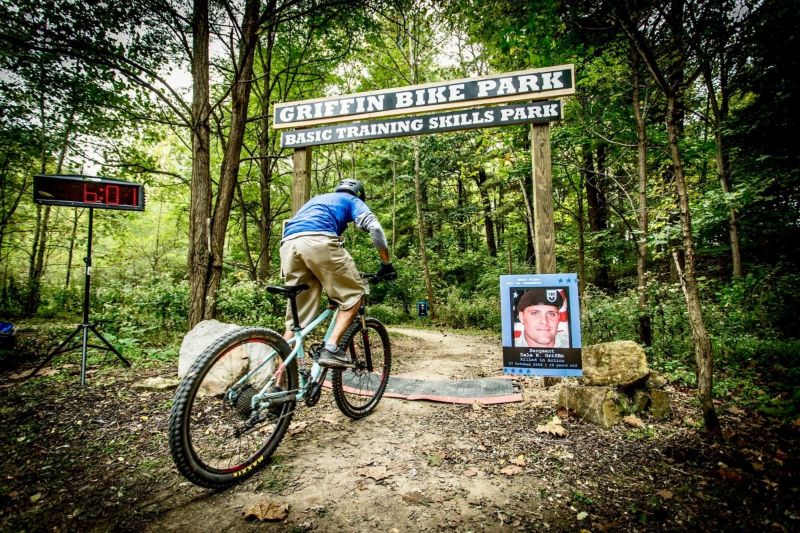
point(331, 347)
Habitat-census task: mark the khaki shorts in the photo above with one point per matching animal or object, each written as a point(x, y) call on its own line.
point(320, 262)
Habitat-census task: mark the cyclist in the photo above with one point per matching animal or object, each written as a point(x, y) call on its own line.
point(312, 253)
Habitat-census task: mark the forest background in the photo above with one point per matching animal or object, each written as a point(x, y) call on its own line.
point(674, 170)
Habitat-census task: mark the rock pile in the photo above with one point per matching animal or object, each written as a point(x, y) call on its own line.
point(616, 378)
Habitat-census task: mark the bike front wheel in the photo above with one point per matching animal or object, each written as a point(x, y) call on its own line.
point(218, 434)
point(358, 390)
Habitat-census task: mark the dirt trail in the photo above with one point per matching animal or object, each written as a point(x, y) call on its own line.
point(96, 458)
point(387, 471)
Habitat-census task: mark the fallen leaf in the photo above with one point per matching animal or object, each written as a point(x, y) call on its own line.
point(729, 474)
point(471, 472)
point(582, 515)
point(296, 428)
point(664, 494)
point(553, 427)
point(511, 470)
point(331, 419)
point(633, 420)
point(375, 472)
point(36, 497)
point(562, 413)
point(267, 512)
point(518, 460)
point(757, 466)
point(416, 498)
point(735, 410)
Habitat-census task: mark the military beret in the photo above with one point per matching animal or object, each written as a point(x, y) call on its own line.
point(540, 297)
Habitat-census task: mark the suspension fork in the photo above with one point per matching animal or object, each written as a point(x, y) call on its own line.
point(362, 315)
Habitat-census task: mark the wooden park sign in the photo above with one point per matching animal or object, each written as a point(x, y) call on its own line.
point(426, 124)
point(535, 86)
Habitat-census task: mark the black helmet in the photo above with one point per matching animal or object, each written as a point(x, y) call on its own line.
point(354, 187)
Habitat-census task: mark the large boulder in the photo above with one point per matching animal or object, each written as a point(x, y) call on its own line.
point(618, 363)
point(226, 371)
point(197, 340)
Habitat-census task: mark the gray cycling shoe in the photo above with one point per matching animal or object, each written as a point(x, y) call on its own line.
point(337, 359)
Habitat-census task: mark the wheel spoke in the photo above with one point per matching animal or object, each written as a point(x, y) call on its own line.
point(215, 435)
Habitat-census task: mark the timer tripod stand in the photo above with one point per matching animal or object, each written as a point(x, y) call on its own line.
point(85, 327)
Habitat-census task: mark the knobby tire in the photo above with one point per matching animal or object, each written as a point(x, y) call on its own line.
point(205, 428)
point(357, 391)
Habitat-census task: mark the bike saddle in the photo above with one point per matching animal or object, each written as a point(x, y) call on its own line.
point(288, 290)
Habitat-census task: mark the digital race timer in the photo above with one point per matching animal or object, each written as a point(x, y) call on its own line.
point(88, 191)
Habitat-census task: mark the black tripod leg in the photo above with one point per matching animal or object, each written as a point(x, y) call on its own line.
point(110, 347)
point(55, 352)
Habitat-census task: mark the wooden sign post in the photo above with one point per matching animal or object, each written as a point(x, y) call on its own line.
point(301, 181)
point(543, 225)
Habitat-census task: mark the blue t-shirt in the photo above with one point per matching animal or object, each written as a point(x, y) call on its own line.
point(327, 213)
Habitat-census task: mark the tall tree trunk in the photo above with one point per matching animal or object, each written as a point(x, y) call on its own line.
point(200, 204)
point(71, 249)
point(672, 89)
point(644, 327)
point(251, 267)
point(486, 205)
point(240, 96)
point(720, 109)
point(597, 209)
point(581, 219)
point(700, 337)
point(266, 164)
point(419, 193)
point(394, 208)
point(37, 267)
point(530, 248)
point(459, 218)
point(421, 231)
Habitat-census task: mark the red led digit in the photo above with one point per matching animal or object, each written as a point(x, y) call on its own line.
point(112, 195)
point(135, 197)
point(88, 196)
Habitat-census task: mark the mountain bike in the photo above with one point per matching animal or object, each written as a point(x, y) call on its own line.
point(236, 402)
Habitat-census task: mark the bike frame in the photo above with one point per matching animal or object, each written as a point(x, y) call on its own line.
point(298, 351)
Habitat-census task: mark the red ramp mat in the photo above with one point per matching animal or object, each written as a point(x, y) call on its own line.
point(484, 390)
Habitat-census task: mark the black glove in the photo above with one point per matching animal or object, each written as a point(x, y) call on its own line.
point(386, 272)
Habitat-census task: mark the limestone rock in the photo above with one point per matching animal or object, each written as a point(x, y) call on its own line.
point(640, 401)
point(659, 404)
point(597, 405)
point(227, 370)
point(618, 363)
point(198, 339)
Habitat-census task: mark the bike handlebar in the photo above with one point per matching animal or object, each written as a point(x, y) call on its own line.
point(373, 277)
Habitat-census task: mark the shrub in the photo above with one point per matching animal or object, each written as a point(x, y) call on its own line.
point(388, 314)
point(248, 303)
point(152, 312)
point(478, 311)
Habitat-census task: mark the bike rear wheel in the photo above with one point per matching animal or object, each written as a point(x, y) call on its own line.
point(216, 436)
point(358, 390)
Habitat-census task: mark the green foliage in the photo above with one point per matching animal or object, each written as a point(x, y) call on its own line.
point(477, 311)
point(388, 314)
point(151, 313)
point(248, 303)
